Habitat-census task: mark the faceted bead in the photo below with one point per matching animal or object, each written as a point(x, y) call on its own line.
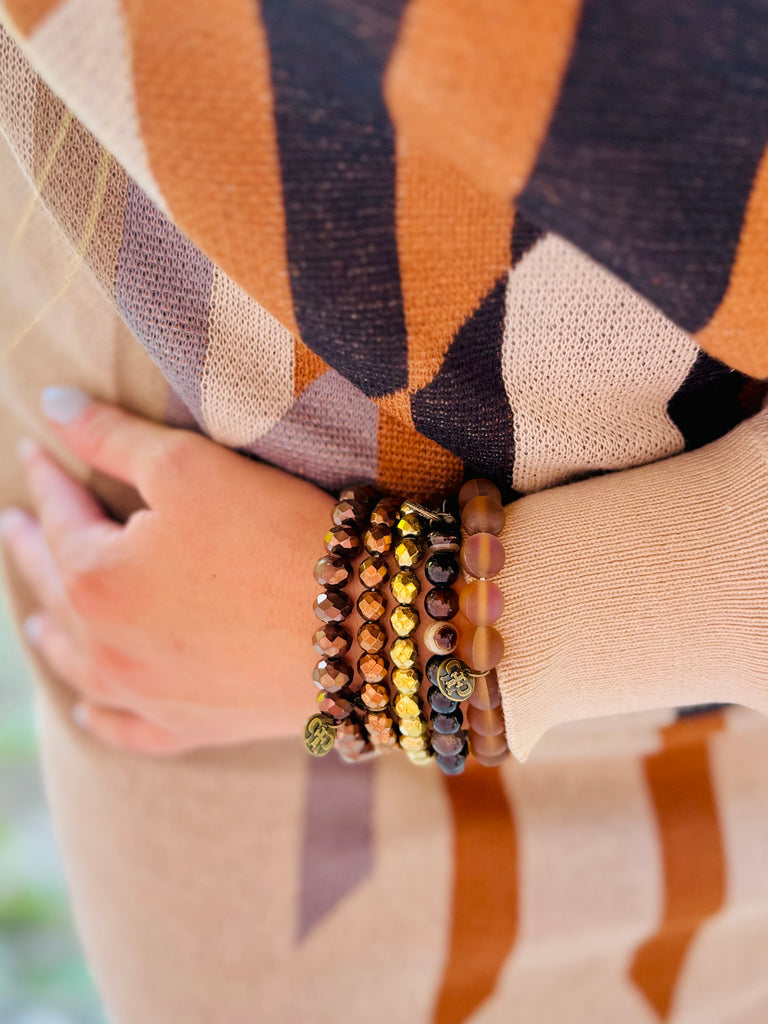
point(409, 525)
point(486, 692)
point(439, 703)
point(349, 733)
point(488, 746)
point(405, 619)
point(420, 757)
point(331, 640)
point(405, 586)
point(446, 537)
point(383, 739)
point(371, 637)
point(442, 569)
point(408, 553)
point(379, 721)
point(413, 743)
point(482, 648)
point(333, 705)
point(332, 674)
point(373, 668)
point(441, 603)
point(453, 764)
point(482, 602)
point(482, 555)
point(441, 638)
point(373, 572)
point(413, 727)
point(333, 572)
point(447, 724)
point(407, 680)
point(343, 540)
point(377, 539)
point(404, 653)
point(349, 512)
point(491, 762)
point(362, 751)
point(386, 513)
point(406, 706)
point(364, 493)
point(332, 606)
point(483, 515)
point(487, 723)
point(447, 743)
point(474, 488)
point(375, 696)
point(371, 605)
point(320, 734)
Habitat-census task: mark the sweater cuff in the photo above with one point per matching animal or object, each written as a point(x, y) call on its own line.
point(644, 588)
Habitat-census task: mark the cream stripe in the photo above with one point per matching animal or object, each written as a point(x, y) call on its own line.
point(247, 382)
point(83, 47)
point(589, 367)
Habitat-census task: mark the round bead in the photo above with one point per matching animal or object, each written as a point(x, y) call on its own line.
point(439, 703)
point(486, 692)
point(486, 723)
point(408, 553)
point(349, 512)
point(405, 586)
point(488, 746)
point(447, 743)
point(413, 727)
point(441, 603)
point(333, 572)
point(335, 706)
point(332, 606)
point(406, 680)
point(491, 762)
point(482, 647)
point(320, 735)
point(446, 537)
point(474, 488)
point(453, 678)
point(343, 540)
point(483, 515)
point(331, 640)
point(442, 569)
point(372, 605)
point(373, 572)
point(374, 696)
point(447, 724)
point(482, 555)
point(385, 513)
point(453, 764)
point(407, 706)
point(409, 525)
point(373, 668)
point(377, 539)
point(404, 653)
point(482, 602)
point(432, 667)
point(371, 637)
point(405, 619)
point(441, 638)
point(365, 493)
point(332, 674)
point(413, 743)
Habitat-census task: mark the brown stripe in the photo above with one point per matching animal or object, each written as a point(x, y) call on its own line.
point(409, 463)
point(307, 367)
point(738, 332)
point(485, 892)
point(27, 14)
point(207, 123)
point(692, 854)
point(457, 74)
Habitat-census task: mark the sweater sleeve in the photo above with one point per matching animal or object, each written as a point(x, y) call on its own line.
point(639, 589)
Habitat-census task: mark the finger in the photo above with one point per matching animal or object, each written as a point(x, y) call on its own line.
point(23, 538)
point(108, 438)
point(60, 650)
point(126, 731)
point(72, 521)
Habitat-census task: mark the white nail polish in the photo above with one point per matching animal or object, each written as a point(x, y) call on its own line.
point(33, 627)
point(79, 714)
point(63, 405)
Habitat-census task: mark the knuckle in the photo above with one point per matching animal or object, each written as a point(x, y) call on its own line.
point(174, 457)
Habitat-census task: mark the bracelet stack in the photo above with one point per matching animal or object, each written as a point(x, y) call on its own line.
point(370, 677)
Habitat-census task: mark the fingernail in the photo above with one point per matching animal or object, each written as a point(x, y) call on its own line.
point(25, 447)
point(79, 714)
point(63, 405)
point(33, 627)
point(8, 518)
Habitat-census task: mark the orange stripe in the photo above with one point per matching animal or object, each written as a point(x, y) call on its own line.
point(307, 367)
point(205, 108)
point(485, 892)
point(477, 81)
point(26, 15)
point(692, 853)
point(738, 332)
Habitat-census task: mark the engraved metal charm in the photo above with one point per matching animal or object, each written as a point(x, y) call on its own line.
point(320, 735)
point(454, 679)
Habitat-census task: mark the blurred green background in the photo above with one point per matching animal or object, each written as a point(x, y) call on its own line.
point(43, 978)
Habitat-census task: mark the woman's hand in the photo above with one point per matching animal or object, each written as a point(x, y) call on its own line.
point(190, 625)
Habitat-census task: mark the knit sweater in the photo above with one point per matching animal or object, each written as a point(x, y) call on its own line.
point(407, 243)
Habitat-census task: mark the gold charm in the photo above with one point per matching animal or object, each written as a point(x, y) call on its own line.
point(454, 679)
point(320, 735)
